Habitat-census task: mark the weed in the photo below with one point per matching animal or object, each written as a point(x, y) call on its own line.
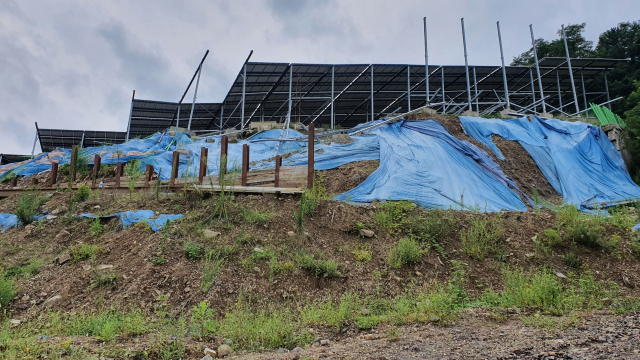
point(256, 217)
point(482, 238)
point(212, 263)
point(406, 252)
point(158, 260)
point(583, 229)
point(225, 196)
point(158, 185)
point(392, 215)
point(320, 268)
point(634, 242)
point(250, 262)
point(202, 317)
point(551, 237)
point(96, 227)
point(28, 205)
point(84, 251)
point(307, 207)
point(83, 193)
point(104, 278)
point(393, 333)
point(26, 271)
point(194, 251)
point(572, 260)
point(276, 267)
point(7, 289)
point(362, 253)
point(431, 227)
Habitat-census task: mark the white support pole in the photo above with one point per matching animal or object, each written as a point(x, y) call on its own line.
point(584, 92)
point(409, 88)
point(33, 150)
point(559, 92)
point(178, 117)
point(287, 122)
point(426, 62)
point(573, 84)
point(475, 89)
point(372, 92)
point(466, 64)
point(504, 70)
point(606, 86)
point(81, 141)
point(130, 114)
point(222, 115)
point(333, 73)
point(244, 84)
point(444, 103)
point(195, 94)
point(533, 90)
point(535, 57)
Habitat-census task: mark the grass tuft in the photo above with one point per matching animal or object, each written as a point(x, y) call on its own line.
point(406, 252)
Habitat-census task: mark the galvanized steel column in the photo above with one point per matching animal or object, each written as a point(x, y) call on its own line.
point(444, 104)
point(475, 89)
point(426, 62)
point(195, 93)
point(573, 85)
point(409, 89)
point(131, 113)
point(504, 70)
point(606, 86)
point(535, 57)
point(533, 90)
point(244, 84)
point(584, 93)
point(466, 64)
point(371, 92)
point(559, 92)
point(333, 72)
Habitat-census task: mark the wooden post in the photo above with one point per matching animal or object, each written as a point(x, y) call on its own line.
point(54, 174)
point(118, 174)
point(96, 169)
point(224, 151)
point(175, 165)
point(72, 165)
point(14, 181)
point(245, 163)
point(310, 150)
point(204, 154)
point(34, 180)
point(147, 176)
point(276, 183)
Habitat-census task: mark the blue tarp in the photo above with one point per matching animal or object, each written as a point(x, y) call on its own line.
point(132, 217)
point(7, 221)
point(422, 162)
point(576, 158)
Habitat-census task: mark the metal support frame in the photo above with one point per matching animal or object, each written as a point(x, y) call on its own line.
point(559, 92)
point(409, 88)
point(289, 112)
point(584, 92)
point(333, 73)
point(504, 70)
point(188, 87)
point(35, 140)
point(444, 101)
point(475, 89)
point(340, 94)
point(535, 57)
point(372, 114)
point(573, 85)
point(426, 63)
point(222, 114)
point(533, 89)
point(131, 114)
point(466, 64)
point(606, 86)
point(82, 140)
point(195, 94)
point(244, 84)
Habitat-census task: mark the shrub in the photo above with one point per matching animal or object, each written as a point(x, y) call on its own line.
point(84, 251)
point(551, 237)
point(635, 246)
point(392, 214)
point(132, 169)
point(256, 217)
point(482, 238)
point(96, 227)
point(321, 268)
point(83, 193)
point(28, 205)
point(406, 252)
point(193, 250)
point(212, 263)
point(572, 260)
point(7, 288)
point(362, 253)
point(587, 232)
point(104, 278)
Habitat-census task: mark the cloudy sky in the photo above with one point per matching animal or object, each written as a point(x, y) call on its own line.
point(73, 64)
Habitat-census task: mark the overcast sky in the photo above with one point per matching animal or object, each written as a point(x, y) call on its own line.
point(73, 64)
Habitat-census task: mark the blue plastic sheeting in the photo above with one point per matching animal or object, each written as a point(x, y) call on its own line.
point(132, 217)
point(576, 158)
point(331, 156)
point(7, 221)
point(422, 162)
point(636, 227)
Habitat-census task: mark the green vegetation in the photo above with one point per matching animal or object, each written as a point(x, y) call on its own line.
point(85, 251)
point(103, 278)
point(277, 267)
point(194, 251)
point(362, 253)
point(28, 205)
point(132, 170)
point(7, 288)
point(392, 215)
point(406, 252)
point(432, 226)
point(212, 263)
point(256, 217)
point(318, 267)
point(83, 193)
point(26, 270)
point(96, 227)
point(482, 238)
point(572, 260)
point(307, 207)
point(581, 228)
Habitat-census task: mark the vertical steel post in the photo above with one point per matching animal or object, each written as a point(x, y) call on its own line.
point(130, 114)
point(426, 61)
point(0, 159)
point(244, 84)
point(584, 92)
point(475, 89)
point(573, 85)
point(535, 57)
point(533, 90)
point(444, 105)
point(333, 69)
point(504, 69)
point(82, 140)
point(408, 89)
point(195, 93)
point(288, 121)
point(178, 117)
point(466, 64)
point(310, 156)
point(371, 92)
point(35, 141)
point(606, 86)
point(559, 92)
point(222, 115)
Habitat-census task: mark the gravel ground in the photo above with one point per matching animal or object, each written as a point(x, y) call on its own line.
point(597, 336)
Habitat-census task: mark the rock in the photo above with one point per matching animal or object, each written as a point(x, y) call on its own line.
point(434, 318)
point(258, 249)
point(325, 342)
point(210, 352)
point(63, 233)
point(560, 275)
point(53, 301)
point(297, 349)
point(187, 289)
point(282, 351)
point(15, 322)
point(97, 207)
point(366, 233)
point(29, 228)
point(291, 234)
point(55, 212)
point(356, 177)
point(63, 258)
point(25, 297)
point(104, 267)
point(224, 350)
point(50, 217)
point(207, 357)
point(418, 273)
point(210, 234)
point(86, 267)
point(606, 301)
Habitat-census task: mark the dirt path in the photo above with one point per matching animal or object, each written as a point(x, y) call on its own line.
point(598, 336)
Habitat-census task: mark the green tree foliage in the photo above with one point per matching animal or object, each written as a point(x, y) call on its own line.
point(578, 46)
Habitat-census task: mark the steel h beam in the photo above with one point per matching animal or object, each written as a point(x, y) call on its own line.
point(573, 85)
point(535, 57)
point(466, 64)
point(504, 70)
point(131, 114)
point(426, 62)
point(288, 121)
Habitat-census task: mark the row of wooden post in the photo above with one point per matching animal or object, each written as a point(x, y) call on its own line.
point(204, 153)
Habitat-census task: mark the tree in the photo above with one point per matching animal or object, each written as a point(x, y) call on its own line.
point(579, 47)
